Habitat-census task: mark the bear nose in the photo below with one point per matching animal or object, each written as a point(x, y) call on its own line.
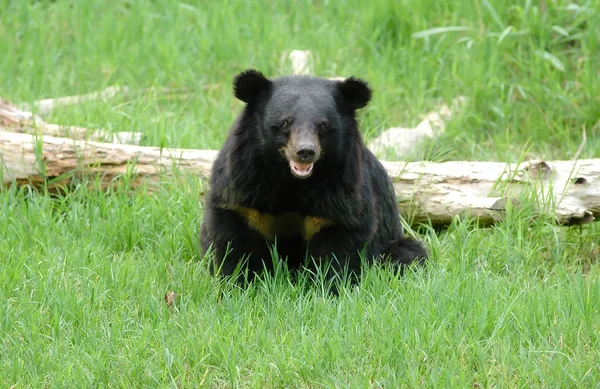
point(306, 153)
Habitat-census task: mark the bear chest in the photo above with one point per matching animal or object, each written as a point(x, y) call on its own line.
point(283, 225)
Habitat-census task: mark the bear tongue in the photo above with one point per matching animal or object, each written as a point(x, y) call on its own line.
point(301, 169)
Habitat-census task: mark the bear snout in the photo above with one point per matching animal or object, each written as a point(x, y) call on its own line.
point(302, 151)
point(306, 153)
point(303, 145)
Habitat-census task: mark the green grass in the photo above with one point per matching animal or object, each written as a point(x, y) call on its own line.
point(83, 276)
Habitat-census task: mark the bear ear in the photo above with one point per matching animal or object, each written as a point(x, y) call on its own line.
point(249, 84)
point(356, 92)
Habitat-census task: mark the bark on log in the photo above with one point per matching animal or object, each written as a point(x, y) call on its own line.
point(426, 191)
point(35, 160)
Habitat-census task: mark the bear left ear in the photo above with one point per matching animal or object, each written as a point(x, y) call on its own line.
point(249, 84)
point(356, 92)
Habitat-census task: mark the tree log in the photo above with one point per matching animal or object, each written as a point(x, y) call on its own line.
point(427, 192)
point(14, 119)
point(46, 106)
point(401, 142)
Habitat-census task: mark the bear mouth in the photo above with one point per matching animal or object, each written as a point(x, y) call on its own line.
point(301, 170)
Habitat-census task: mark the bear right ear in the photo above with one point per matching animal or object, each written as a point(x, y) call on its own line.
point(249, 84)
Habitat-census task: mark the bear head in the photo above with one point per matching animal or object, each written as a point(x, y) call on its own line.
point(301, 118)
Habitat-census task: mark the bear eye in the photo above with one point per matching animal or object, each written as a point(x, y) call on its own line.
point(286, 123)
point(323, 126)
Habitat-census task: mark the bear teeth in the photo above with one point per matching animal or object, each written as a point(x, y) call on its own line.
point(301, 170)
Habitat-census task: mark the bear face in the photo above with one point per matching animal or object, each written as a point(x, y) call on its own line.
point(302, 118)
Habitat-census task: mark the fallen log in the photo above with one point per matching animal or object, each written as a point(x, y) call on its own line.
point(402, 142)
point(46, 106)
point(17, 120)
point(427, 192)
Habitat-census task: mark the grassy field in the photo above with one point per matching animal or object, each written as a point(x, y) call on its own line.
point(83, 276)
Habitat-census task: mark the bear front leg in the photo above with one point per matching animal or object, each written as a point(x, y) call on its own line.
point(340, 248)
point(234, 244)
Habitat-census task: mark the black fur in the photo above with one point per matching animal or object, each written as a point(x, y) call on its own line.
point(348, 184)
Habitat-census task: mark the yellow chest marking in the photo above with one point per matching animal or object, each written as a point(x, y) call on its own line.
point(284, 225)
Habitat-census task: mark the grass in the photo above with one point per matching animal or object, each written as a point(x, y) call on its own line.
point(83, 276)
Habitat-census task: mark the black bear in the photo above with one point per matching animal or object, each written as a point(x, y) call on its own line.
point(295, 176)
